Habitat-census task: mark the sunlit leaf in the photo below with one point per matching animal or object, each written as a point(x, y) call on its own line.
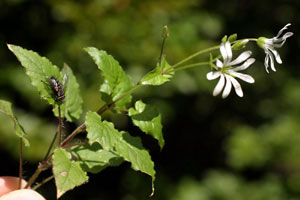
point(148, 119)
point(159, 75)
point(123, 144)
point(94, 159)
point(67, 173)
point(39, 69)
point(116, 81)
point(5, 107)
point(71, 109)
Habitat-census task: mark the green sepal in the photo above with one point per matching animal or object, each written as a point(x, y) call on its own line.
point(224, 39)
point(240, 44)
point(232, 38)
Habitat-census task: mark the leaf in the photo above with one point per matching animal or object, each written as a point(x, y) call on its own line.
point(148, 119)
point(116, 81)
point(5, 107)
point(126, 146)
point(67, 173)
point(39, 69)
point(71, 108)
point(156, 77)
point(94, 159)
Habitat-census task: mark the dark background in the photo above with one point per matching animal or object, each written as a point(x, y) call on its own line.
point(216, 149)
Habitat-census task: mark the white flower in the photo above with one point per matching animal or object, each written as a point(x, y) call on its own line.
point(228, 72)
point(269, 46)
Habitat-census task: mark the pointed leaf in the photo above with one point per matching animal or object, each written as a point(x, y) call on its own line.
point(148, 119)
point(39, 69)
point(130, 148)
point(156, 76)
point(116, 81)
point(71, 108)
point(67, 173)
point(5, 107)
point(94, 159)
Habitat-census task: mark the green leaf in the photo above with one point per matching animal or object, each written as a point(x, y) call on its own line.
point(156, 77)
point(148, 119)
point(39, 69)
point(71, 108)
point(126, 146)
point(5, 107)
point(116, 81)
point(68, 174)
point(94, 159)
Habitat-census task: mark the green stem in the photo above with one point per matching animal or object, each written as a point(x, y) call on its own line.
point(59, 126)
point(190, 57)
point(191, 65)
point(43, 182)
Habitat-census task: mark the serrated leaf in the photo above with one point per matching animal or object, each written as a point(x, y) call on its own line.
point(6, 108)
point(39, 69)
point(67, 173)
point(71, 108)
point(148, 119)
point(94, 159)
point(156, 77)
point(126, 146)
point(116, 81)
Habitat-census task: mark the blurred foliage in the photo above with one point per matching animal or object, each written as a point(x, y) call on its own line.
point(237, 148)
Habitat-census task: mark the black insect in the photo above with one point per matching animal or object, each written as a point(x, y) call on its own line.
point(57, 88)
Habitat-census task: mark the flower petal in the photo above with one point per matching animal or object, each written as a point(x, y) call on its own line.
point(213, 75)
point(227, 88)
point(281, 30)
point(245, 65)
point(219, 63)
point(277, 56)
point(267, 62)
point(219, 86)
point(237, 86)
point(241, 58)
point(281, 40)
point(271, 59)
point(245, 77)
point(226, 52)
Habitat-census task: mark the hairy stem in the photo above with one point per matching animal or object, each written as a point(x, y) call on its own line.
point(59, 126)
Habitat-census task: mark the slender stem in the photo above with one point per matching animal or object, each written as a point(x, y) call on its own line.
point(190, 57)
point(20, 162)
point(162, 50)
point(50, 147)
point(78, 130)
point(76, 144)
point(191, 65)
point(40, 168)
point(43, 182)
point(59, 126)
